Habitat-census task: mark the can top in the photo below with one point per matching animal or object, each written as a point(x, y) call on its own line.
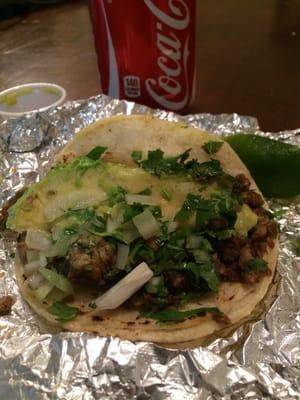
point(31, 97)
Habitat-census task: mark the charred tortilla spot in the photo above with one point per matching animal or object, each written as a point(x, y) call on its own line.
point(97, 318)
point(51, 193)
point(130, 323)
point(222, 319)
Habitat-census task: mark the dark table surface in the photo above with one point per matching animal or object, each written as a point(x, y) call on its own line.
point(248, 56)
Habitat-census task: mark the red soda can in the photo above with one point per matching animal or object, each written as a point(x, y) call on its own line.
point(146, 50)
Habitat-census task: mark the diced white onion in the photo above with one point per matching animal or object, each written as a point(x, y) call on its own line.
point(193, 242)
point(172, 226)
point(125, 288)
point(32, 255)
point(57, 280)
point(73, 200)
point(43, 260)
point(140, 198)
point(146, 224)
point(35, 280)
point(153, 284)
point(112, 224)
point(129, 232)
point(38, 240)
point(31, 267)
point(122, 255)
point(43, 290)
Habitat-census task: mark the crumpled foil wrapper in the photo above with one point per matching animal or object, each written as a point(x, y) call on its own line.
point(260, 360)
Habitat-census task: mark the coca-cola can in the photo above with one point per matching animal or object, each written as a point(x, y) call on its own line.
point(146, 50)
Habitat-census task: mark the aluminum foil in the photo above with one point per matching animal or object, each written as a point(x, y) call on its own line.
point(260, 360)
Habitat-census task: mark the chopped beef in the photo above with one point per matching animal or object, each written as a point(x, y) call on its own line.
point(246, 255)
point(231, 273)
point(259, 247)
point(153, 243)
point(90, 258)
point(218, 223)
point(260, 231)
point(229, 249)
point(272, 227)
point(6, 303)
point(177, 281)
point(241, 183)
point(253, 199)
point(140, 300)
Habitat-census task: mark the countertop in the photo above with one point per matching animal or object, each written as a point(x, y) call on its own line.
point(248, 56)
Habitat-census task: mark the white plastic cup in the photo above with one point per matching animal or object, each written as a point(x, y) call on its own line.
point(29, 98)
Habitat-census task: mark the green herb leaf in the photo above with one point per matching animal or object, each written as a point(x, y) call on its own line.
point(116, 194)
point(212, 147)
point(93, 305)
point(137, 155)
point(179, 316)
point(63, 311)
point(257, 264)
point(131, 210)
point(194, 203)
point(166, 194)
point(208, 169)
point(81, 166)
point(159, 165)
point(146, 192)
point(296, 244)
point(207, 272)
point(96, 153)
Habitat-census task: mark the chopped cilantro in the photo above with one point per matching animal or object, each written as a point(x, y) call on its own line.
point(166, 194)
point(257, 264)
point(116, 194)
point(212, 147)
point(205, 209)
point(137, 155)
point(205, 271)
point(179, 316)
point(221, 234)
point(296, 244)
point(70, 231)
point(96, 153)
point(93, 305)
point(146, 192)
point(63, 311)
point(81, 166)
point(208, 169)
point(156, 211)
point(159, 165)
point(276, 214)
point(131, 210)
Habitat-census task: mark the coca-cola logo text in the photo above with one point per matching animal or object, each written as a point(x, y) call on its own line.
point(174, 55)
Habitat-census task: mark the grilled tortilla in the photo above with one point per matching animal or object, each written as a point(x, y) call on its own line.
point(212, 247)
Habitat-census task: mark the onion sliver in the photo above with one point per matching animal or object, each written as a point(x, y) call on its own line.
point(122, 256)
point(140, 198)
point(38, 240)
point(124, 289)
point(193, 242)
point(146, 224)
point(35, 280)
point(58, 280)
point(43, 290)
point(31, 267)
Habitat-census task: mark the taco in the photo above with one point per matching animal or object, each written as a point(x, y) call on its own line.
point(147, 230)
